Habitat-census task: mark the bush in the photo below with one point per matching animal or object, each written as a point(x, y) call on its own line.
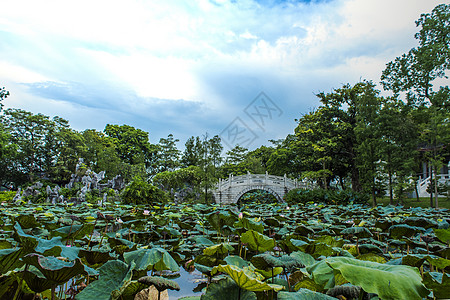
point(339, 197)
point(141, 192)
point(7, 196)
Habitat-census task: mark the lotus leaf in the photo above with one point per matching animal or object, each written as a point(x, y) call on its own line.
point(303, 294)
point(227, 289)
point(257, 241)
point(10, 259)
point(218, 249)
point(236, 260)
point(249, 225)
point(443, 235)
point(114, 277)
point(439, 283)
point(360, 232)
point(157, 259)
point(304, 258)
point(404, 231)
point(160, 283)
point(269, 273)
point(387, 281)
point(245, 279)
point(55, 270)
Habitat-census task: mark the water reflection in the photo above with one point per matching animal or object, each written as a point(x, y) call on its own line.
point(188, 281)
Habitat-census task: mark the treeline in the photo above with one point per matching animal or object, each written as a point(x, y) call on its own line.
point(356, 137)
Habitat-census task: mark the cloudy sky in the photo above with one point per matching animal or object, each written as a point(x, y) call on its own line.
point(241, 69)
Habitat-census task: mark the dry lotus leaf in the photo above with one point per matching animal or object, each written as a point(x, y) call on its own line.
point(151, 294)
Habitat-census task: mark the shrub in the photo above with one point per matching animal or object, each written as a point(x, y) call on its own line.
point(325, 196)
point(141, 192)
point(7, 196)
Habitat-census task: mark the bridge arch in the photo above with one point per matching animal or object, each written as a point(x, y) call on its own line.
point(229, 191)
point(257, 187)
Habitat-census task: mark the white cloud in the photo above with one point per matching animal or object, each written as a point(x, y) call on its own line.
point(216, 54)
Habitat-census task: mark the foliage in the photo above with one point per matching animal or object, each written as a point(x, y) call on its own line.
point(325, 196)
point(7, 196)
point(140, 192)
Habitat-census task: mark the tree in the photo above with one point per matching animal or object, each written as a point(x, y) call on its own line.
point(3, 95)
point(415, 71)
point(236, 155)
point(192, 154)
point(132, 144)
point(367, 138)
point(168, 155)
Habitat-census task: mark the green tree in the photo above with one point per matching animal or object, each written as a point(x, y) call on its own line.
point(236, 155)
point(192, 154)
point(168, 155)
point(415, 73)
point(132, 144)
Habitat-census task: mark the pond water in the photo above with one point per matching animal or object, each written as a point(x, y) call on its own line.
point(188, 281)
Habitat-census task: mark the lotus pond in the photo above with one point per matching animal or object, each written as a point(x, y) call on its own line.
point(265, 251)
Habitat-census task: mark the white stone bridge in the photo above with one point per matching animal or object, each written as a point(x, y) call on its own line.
point(231, 190)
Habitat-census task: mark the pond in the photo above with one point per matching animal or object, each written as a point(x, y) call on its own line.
point(188, 281)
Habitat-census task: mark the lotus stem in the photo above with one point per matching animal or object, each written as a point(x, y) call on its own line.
point(92, 233)
point(19, 287)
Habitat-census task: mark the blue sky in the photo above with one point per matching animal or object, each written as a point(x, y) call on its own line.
point(191, 67)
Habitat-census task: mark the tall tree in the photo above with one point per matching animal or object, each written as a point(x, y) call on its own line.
point(168, 154)
point(416, 72)
point(193, 149)
point(132, 144)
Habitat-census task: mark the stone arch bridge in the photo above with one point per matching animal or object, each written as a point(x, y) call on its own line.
point(232, 189)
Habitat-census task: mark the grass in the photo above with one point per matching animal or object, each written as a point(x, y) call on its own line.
point(412, 202)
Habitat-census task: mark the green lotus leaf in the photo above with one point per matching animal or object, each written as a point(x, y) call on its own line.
point(257, 241)
point(53, 269)
point(27, 221)
point(331, 241)
point(236, 260)
point(225, 290)
point(249, 225)
point(218, 249)
point(203, 269)
point(372, 257)
point(420, 222)
point(443, 235)
point(115, 276)
point(437, 282)
point(304, 258)
point(75, 231)
point(299, 244)
point(360, 232)
point(404, 231)
point(36, 281)
point(202, 241)
point(10, 259)
point(303, 294)
point(322, 274)
point(96, 256)
point(269, 273)
point(219, 219)
point(157, 259)
point(245, 279)
point(308, 283)
point(264, 261)
point(52, 247)
point(132, 289)
point(160, 283)
point(387, 281)
point(304, 230)
point(414, 260)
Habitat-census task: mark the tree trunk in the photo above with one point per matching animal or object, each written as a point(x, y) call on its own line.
point(431, 180)
point(436, 188)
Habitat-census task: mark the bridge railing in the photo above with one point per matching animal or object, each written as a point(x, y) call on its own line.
point(260, 179)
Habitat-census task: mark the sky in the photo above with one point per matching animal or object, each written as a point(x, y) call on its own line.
point(243, 70)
